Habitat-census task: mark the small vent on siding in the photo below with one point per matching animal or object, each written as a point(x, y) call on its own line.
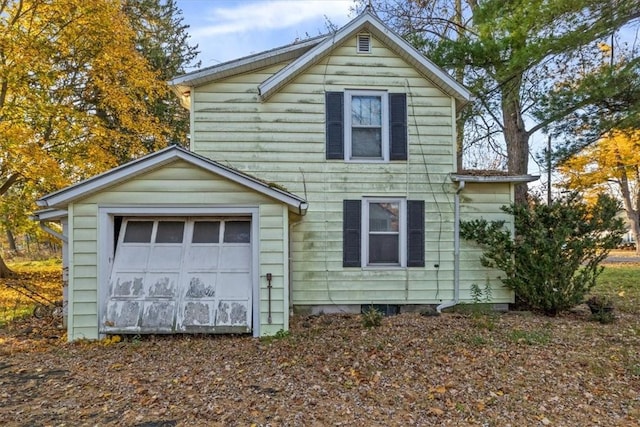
point(364, 43)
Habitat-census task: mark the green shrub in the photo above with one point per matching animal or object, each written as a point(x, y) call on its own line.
point(553, 261)
point(371, 318)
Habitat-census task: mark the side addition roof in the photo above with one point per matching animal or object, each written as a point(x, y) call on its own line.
point(61, 198)
point(181, 85)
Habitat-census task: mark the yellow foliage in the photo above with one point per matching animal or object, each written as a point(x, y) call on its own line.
point(610, 165)
point(604, 48)
point(73, 92)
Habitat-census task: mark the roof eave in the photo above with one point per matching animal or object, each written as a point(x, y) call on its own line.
point(245, 64)
point(61, 198)
point(516, 179)
point(49, 215)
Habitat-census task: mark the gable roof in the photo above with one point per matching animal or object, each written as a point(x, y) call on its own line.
point(63, 197)
point(306, 53)
point(370, 22)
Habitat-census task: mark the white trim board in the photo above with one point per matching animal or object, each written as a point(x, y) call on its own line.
point(63, 197)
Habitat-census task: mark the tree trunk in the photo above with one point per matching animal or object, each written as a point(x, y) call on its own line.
point(12, 241)
point(515, 135)
point(4, 270)
point(636, 231)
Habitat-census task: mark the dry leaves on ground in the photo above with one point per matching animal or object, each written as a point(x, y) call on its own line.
point(509, 369)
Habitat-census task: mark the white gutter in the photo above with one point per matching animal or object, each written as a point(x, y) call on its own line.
point(456, 251)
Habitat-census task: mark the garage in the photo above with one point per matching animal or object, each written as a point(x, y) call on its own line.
point(180, 274)
point(175, 243)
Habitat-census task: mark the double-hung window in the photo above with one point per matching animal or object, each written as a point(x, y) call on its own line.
point(366, 126)
point(366, 130)
point(383, 232)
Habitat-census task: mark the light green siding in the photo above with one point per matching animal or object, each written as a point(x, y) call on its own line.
point(273, 259)
point(178, 184)
point(282, 139)
point(483, 201)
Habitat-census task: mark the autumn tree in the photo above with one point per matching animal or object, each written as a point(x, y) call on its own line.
point(74, 93)
point(511, 54)
point(611, 165)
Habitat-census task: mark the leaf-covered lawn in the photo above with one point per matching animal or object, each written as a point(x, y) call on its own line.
point(35, 282)
point(510, 369)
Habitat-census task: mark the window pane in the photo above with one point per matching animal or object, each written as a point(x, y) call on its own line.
point(366, 111)
point(383, 249)
point(237, 232)
point(170, 232)
point(366, 142)
point(384, 216)
point(138, 232)
point(206, 232)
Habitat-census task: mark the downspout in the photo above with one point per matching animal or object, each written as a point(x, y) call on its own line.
point(456, 251)
point(302, 211)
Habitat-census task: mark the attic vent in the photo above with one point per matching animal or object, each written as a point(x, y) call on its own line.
point(364, 43)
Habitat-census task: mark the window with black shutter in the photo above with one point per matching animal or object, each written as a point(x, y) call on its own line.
point(366, 126)
point(382, 232)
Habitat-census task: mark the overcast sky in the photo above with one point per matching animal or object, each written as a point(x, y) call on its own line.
point(230, 29)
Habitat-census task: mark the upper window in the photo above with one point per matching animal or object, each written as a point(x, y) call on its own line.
point(366, 127)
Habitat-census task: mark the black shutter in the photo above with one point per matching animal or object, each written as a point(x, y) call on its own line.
point(415, 233)
point(351, 220)
point(398, 126)
point(334, 106)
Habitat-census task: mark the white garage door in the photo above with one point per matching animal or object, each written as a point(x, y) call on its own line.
point(180, 275)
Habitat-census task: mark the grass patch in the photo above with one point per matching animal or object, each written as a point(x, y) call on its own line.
point(621, 283)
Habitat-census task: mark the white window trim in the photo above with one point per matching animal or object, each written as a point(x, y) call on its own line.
point(402, 241)
point(348, 94)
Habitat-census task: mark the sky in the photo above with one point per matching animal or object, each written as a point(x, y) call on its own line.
point(230, 29)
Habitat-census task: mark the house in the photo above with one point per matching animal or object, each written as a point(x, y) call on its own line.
point(320, 177)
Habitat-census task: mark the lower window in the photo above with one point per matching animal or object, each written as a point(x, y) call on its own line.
point(384, 232)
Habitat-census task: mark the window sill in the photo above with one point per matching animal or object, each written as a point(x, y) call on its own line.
point(384, 267)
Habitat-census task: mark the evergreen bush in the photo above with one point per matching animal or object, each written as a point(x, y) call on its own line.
point(553, 260)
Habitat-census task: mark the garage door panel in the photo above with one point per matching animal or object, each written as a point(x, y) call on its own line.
point(122, 315)
point(235, 257)
point(232, 313)
point(201, 285)
point(202, 257)
point(236, 285)
point(197, 313)
point(166, 257)
point(162, 285)
point(127, 285)
point(159, 316)
point(134, 257)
